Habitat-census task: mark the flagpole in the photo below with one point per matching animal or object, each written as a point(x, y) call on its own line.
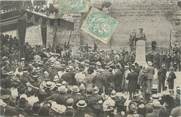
point(110, 43)
point(170, 43)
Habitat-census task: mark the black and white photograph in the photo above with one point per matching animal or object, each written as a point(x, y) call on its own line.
point(90, 58)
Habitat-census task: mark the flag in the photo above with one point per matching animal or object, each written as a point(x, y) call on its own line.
point(99, 25)
point(73, 6)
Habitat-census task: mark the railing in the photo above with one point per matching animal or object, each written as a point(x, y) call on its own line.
point(10, 14)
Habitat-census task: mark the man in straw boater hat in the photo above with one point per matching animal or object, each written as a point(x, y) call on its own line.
point(70, 111)
point(76, 95)
point(81, 108)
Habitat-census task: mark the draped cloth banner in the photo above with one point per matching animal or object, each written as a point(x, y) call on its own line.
point(21, 33)
point(99, 25)
point(44, 32)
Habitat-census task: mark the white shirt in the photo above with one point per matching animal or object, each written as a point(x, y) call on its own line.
point(80, 77)
point(14, 92)
point(32, 99)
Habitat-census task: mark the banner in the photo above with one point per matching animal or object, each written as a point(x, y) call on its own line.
point(73, 6)
point(99, 25)
point(21, 32)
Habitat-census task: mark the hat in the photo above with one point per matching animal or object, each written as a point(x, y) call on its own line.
point(98, 63)
point(156, 104)
point(57, 107)
point(64, 83)
point(22, 59)
point(81, 104)
point(75, 89)
point(172, 68)
point(133, 106)
point(69, 101)
point(62, 89)
point(108, 104)
point(145, 70)
point(82, 86)
point(23, 96)
point(149, 108)
point(58, 65)
point(56, 78)
point(52, 59)
point(50, 85)
point(113, 93)
point(89, 90)
point(141, 106)
point(46, 73)
point(150, 63)
point(35, 75)
point(100, 101)
point(71, 68)
point(163, 65)
point(58, 84)
point(37, 59)
point(178, 90)
point(96, 90)
point(87, 61)
point(155, 96)
point(4, 58)
point(166, 92)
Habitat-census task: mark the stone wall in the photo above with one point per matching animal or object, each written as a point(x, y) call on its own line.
point(154, 16)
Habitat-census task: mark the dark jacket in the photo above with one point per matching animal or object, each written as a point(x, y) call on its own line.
point(133, 79)
point(69, 77)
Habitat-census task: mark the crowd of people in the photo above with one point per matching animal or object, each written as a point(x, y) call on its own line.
point(10, 7)
point(168, 57)
point(90, 83)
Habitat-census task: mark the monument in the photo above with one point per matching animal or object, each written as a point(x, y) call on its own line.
point(141, 48)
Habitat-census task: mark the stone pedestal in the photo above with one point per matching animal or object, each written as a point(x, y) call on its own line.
point(141, 52)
